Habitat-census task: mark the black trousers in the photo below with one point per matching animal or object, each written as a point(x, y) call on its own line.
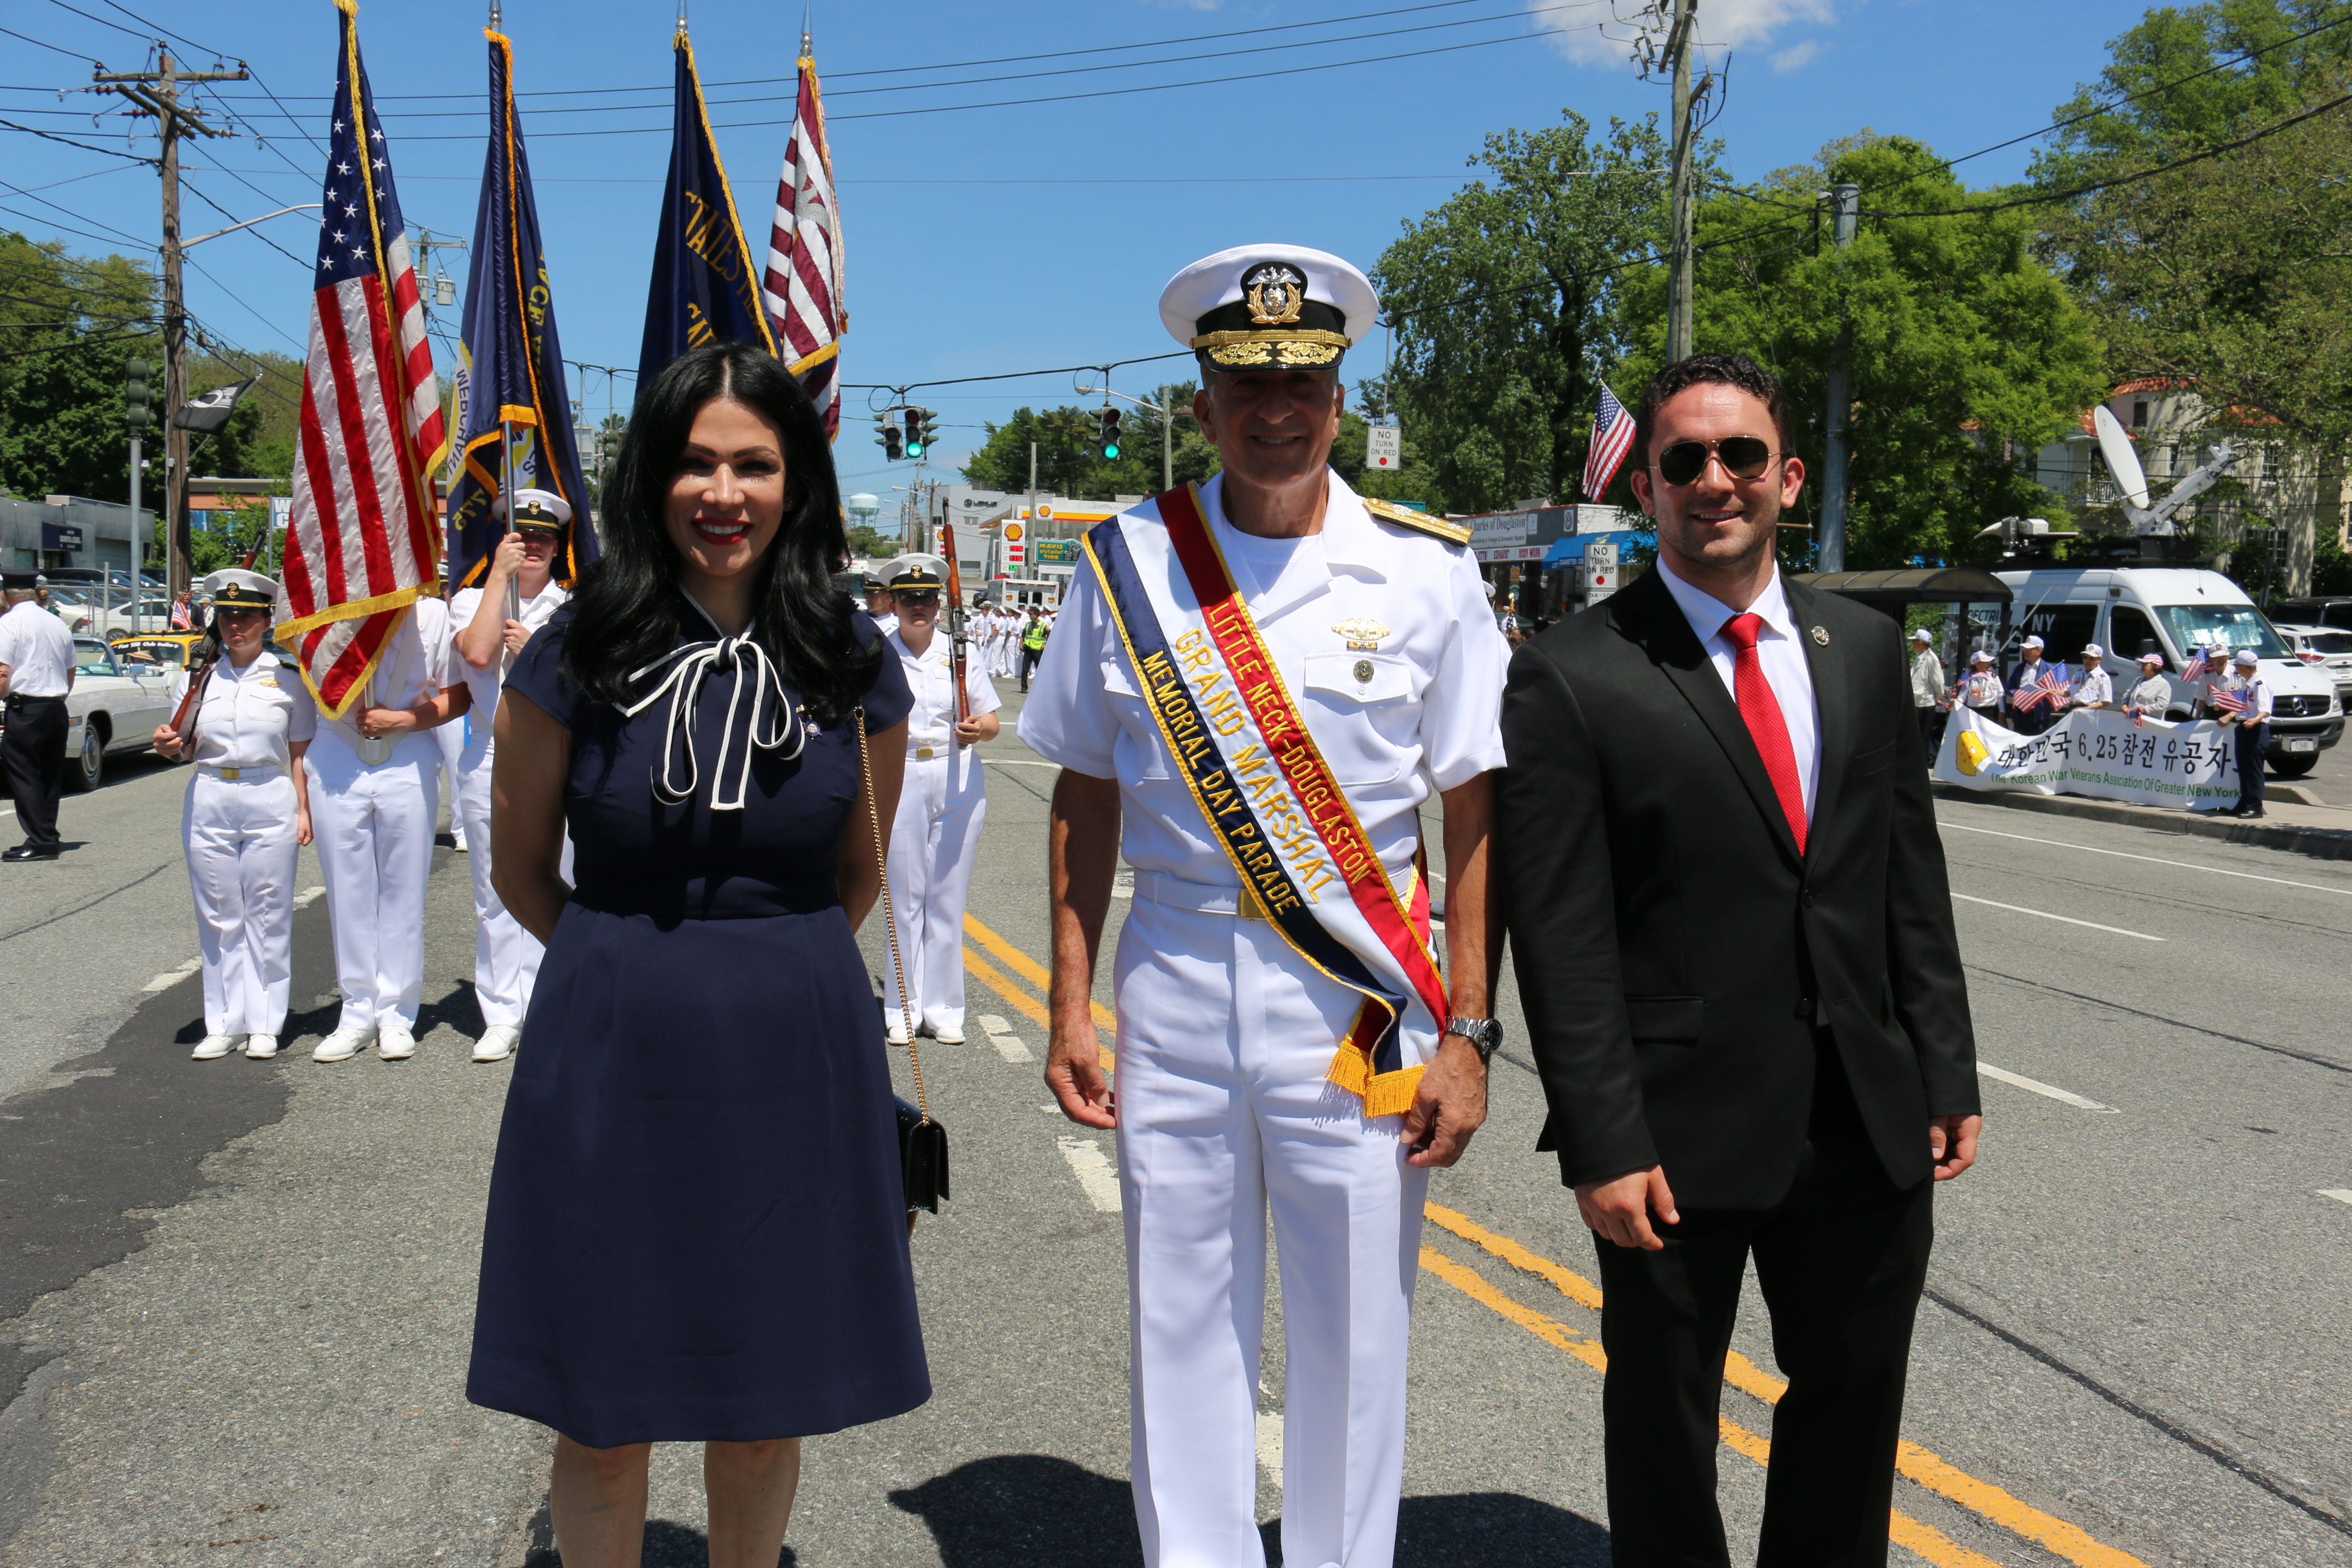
point(1932, 721)
point(33, 757)
point(2254, 745)
point(1842, 1259)
point(1029, 658)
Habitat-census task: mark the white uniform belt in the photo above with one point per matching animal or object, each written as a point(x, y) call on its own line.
point(252, 773)
point(1177, 894)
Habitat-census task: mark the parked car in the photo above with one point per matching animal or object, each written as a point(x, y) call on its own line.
point(2328, 610)
point(112, 708)
point(167, 651)
point(2323, 646)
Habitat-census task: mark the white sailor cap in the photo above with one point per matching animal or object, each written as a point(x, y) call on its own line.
point(1921, 634)
point(2248, 659)
point(1278, 306)
point(234, 588)
point(2092, 650)
point(915, 572)
point(542, 510)
point(2033, 642)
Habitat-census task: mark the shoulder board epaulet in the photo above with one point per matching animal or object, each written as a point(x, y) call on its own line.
point(1421, 521)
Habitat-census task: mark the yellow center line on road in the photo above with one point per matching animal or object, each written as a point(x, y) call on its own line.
point(1028, 968)
point(1019, 1000)
point(1981, 1498)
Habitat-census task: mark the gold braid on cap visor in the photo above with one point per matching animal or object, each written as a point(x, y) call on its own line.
point(1305, 346)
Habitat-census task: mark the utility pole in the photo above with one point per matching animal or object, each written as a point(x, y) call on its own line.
point(1678, 244)
point(1848, 198)
point(156, 92)
point(1167, 440)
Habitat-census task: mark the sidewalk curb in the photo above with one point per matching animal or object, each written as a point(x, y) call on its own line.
point(2320, 843)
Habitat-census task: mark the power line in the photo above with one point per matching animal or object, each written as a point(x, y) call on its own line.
point(167, 32)
point(47, 136)
point(142, 38)
point(256, 232)
point(52, 47)
point(70, 213)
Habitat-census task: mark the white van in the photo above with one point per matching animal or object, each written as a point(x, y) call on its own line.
point(2173, 610)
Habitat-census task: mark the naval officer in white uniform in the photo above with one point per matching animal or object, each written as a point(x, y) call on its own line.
point(1378, 627)
point(374, 797)
point(485, 641)
point(248, 812)
point(936, 835)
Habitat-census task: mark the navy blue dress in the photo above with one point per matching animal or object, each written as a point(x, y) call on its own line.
point(697, 1229)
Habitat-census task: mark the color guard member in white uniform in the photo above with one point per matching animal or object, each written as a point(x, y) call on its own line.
point(246, 814)
point(936, 835)
point(375, 795)
point(506, 956)
point(1239, 1085)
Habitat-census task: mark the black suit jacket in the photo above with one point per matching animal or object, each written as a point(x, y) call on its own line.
point(1670, 944)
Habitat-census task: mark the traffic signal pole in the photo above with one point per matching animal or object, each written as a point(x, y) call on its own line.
point(1678, 247)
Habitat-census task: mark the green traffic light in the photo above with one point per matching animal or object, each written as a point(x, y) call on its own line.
point(1110, 449)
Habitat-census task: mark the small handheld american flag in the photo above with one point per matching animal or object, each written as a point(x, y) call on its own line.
point(2196, 667)
point(1613, 438)
point(2045, 688)
point(2229, 701)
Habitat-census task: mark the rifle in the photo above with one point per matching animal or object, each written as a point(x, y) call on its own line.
point(956, 643)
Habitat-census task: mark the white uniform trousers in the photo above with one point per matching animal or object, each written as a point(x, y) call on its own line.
point(239, 835)
point(1224, 1036)
point(373, 828)
point(506, 956)
point(451, 738)
point(933, 841)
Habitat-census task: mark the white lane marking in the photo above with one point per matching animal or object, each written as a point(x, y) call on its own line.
point(1093, 1170)
point(1269, 1443)
point(2064, 1097)
point(172, 977)
point(308, 896)
point(2046, 914)
point(2341, 1195)
point(1008, 1045)
point(2151, 859)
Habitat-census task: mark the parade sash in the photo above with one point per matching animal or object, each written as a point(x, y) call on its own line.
point(1243, 749)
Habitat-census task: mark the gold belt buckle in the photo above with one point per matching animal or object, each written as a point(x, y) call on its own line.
point(923, 754)
point(230, 773)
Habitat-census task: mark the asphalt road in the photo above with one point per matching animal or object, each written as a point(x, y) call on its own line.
point(235, 1296)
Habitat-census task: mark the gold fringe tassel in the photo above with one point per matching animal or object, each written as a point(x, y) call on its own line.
point(1383, 1094)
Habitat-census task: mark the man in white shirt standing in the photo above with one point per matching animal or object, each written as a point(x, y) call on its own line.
point(941, 803)
point(2251, 725)
point(1927, 691)
point(36, 670)
point(375, 773)
point(2097, 688)
point(487, 639)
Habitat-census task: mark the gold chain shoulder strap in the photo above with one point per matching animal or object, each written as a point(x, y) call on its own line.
point(889, 917)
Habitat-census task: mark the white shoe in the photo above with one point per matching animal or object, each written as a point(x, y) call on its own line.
point(395, 1043)
point(261, 1048)
point(213, 1045)
point(897, 1035)
point(342, 1045)
point(460, 842)
point(947, 1034)
point(498, 1043)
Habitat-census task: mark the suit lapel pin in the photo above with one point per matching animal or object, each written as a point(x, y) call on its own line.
point(1822, 635)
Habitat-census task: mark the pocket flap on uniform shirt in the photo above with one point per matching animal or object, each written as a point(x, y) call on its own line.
point(1677, 1018)
point(1364, 677)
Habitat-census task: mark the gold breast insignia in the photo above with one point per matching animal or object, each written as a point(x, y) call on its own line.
point(1363, 633)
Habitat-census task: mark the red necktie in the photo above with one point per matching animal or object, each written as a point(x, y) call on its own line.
point(1761, 712)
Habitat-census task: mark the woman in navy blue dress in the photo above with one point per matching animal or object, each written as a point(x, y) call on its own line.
point(697, 1229)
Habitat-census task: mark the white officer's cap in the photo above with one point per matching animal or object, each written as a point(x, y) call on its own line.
point(1269, 306)
point(234, 588)
point(543, 509)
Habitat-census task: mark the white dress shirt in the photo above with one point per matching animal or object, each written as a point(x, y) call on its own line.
point(1428, 718)
point(1778, 650)
point(2096, 686)
point(931, 723)
point(37, 650)
point(414, 666)
point(248, 717)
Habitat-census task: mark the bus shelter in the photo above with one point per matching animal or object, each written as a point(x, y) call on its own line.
point(1978, 603)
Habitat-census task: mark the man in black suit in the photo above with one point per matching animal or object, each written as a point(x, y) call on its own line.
point(1733, 938)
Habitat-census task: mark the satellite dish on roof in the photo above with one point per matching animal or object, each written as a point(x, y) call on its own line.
point(2122, 460)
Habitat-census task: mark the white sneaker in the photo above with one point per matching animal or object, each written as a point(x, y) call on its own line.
point(459, 842)
point(342, 1045)
point(395, 1043)
point(498, 1043)
point(261, 1048)
point(213, 1045)
point(897, 1035)
point(947, 1034)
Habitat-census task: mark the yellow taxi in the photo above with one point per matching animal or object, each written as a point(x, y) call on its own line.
point(168, 652)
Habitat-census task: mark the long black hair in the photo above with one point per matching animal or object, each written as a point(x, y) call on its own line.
point(630, 609)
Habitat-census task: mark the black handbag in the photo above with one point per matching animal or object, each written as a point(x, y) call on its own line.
point(922, 1140)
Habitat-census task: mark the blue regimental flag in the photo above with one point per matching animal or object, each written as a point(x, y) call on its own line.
point(706, 287)
point(515, 414)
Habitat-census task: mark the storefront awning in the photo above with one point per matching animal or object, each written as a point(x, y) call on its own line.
point(1572, 548)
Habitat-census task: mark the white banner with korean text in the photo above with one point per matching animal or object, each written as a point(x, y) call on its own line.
point(2099, 752)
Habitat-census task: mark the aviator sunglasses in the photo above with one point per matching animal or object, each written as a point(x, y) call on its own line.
point(1744, 457)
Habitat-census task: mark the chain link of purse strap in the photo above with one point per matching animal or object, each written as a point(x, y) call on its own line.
point(889, 917)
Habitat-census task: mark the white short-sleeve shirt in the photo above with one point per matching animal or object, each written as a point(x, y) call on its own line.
point(931, 723)
point(249, 718)
point(487, 682)
point(37, 650)
point(1430, 718)
point(414, 666)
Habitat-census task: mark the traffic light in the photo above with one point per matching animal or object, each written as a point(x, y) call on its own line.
point(138, 396)
point(887, 436)
point(1110, 433)
point(918, 436)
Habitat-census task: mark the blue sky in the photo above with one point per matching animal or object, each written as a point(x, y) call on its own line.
point(989, 240)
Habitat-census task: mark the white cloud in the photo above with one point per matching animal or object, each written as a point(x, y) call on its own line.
point(1589, 35)
point(1796, 58)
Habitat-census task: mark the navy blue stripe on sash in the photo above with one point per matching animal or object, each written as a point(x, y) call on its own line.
point(1226, 807)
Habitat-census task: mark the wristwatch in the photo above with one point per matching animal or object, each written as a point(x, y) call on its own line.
point(1483, 1033)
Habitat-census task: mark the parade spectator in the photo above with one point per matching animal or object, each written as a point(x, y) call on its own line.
point(2153, 696)
point(1980, 687)
point(1927, 691)
point(2094, 687)
point(2031, 708)
point(37, 672)
point(2244, 708)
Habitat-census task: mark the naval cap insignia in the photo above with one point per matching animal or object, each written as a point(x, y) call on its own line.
point(1822, 635)
point(1275, 291)
point(1363, 633)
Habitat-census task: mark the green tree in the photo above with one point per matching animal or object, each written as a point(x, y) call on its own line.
point(1967, 355)
point(66, 325)
point(1510, 304)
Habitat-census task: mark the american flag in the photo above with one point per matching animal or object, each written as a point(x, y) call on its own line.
point(362, 534)
point(2229, 701)
point(803, 288)
point(1613, 438)
point(2196, 667)
point(2045, 687)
